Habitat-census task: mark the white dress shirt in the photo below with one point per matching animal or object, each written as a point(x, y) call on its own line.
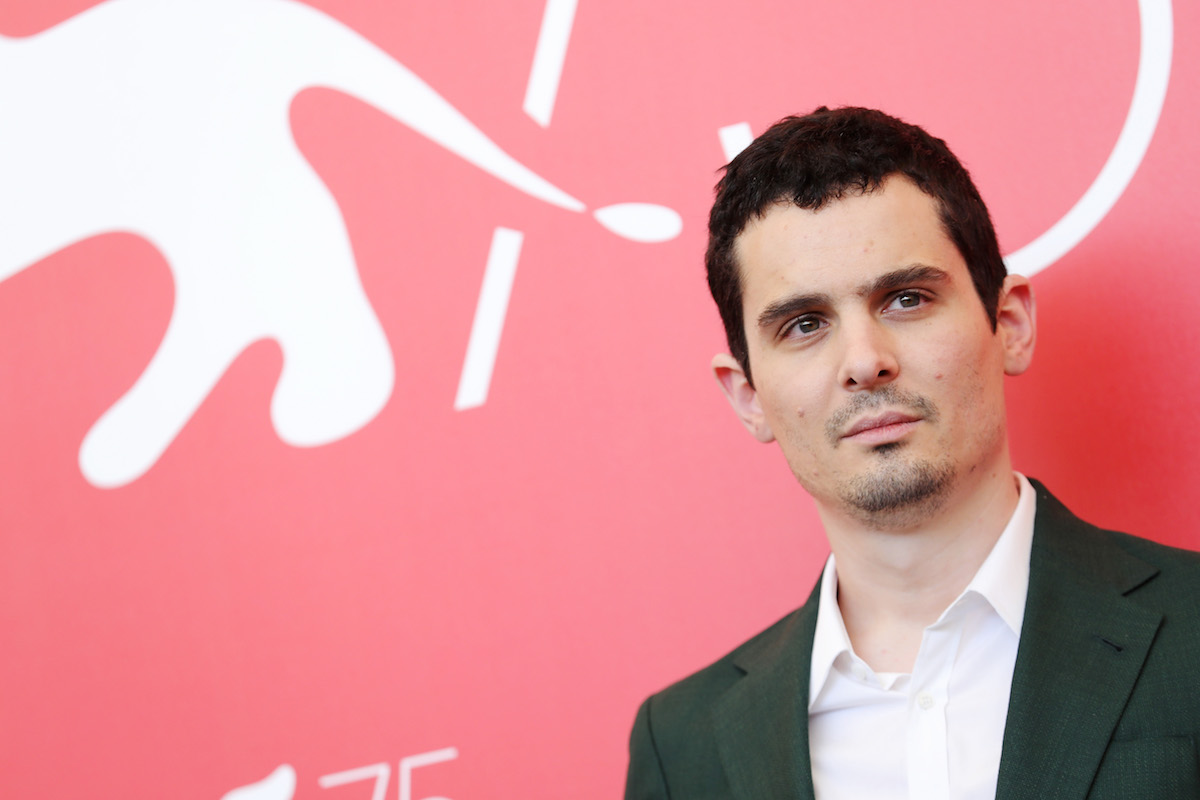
point(935, 734)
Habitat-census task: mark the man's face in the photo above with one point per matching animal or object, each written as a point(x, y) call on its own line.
point(875, 365)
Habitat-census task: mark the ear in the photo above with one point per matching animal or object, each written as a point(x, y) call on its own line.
point(1016, 323)
point(742, 396)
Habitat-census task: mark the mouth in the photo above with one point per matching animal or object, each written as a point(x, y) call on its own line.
point(883, 428)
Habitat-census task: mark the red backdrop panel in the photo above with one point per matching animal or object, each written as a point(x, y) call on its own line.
point(507, 580)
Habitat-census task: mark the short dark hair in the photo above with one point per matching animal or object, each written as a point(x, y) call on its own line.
point(819, 157)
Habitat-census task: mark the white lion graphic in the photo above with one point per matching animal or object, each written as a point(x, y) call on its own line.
point(170, 120)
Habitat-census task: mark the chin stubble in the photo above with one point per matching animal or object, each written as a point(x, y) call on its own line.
point(897, 492)
point(899, 489)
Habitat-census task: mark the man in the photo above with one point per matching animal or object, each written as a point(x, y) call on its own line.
point(969, 637)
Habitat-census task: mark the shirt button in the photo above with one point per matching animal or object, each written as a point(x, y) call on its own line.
point(925, 701)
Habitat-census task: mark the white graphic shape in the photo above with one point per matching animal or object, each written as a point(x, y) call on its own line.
point(409, 763)
point(380, 773)
point(1149, 93)
point(548, 59)
point(279, 785)
point(640, 222)
point(1154, 71)
point(484, 343)
point(170, 120)
point(735, 138)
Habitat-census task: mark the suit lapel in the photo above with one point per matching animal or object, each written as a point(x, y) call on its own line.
point(761, 724)
point(1082, 646)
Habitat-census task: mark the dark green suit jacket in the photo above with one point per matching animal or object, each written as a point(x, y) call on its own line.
point(1105, 698)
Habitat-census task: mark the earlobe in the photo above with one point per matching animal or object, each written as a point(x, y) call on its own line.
point(1016, 323)
point(742, 396)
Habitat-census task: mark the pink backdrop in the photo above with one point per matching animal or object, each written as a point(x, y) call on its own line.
point(227, 581)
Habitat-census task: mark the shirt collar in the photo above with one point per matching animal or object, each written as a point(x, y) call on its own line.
point(1002, 580)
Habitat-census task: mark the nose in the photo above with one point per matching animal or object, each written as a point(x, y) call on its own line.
point(868, 356)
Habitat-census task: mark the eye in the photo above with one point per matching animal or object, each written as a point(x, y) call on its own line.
point(803, 326)
point(909, 298)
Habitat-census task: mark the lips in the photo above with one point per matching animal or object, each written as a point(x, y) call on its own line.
point(881, 426)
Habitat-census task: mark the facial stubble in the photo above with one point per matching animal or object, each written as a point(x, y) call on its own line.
point(899, 492)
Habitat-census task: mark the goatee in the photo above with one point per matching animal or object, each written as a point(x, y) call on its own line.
point(899, 493)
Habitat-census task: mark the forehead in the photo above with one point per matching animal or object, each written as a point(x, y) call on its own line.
point(843, 245)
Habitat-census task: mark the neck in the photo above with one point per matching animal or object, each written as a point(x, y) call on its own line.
point(894, 583)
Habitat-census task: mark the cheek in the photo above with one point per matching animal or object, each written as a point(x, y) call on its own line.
point(796, 417)
point(789, 403)
point(974, 400)
point(956, 376)
point(958, 358)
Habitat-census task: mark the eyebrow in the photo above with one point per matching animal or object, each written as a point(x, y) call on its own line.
point(790, 306)
point(896, 279)
point(904, 277)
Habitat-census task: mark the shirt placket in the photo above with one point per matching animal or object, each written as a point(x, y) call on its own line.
point(928, 755)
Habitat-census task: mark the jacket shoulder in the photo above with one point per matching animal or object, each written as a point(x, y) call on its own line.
point(1165, 557)
point(674, 738)
point(694, 694)
point(1129, 561)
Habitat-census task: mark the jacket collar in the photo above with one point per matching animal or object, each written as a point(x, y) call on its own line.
point(761, 723)
point(1082, 647)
